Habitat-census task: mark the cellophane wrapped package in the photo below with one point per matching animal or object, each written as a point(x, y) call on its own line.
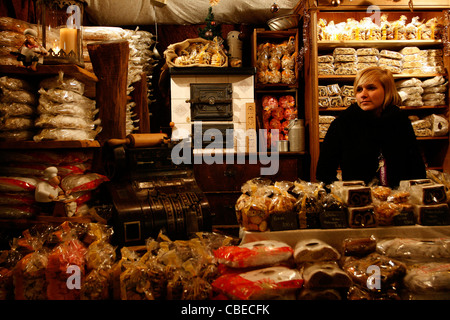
point(268, 283)
point(253, 254)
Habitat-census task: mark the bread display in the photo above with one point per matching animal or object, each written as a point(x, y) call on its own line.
point(352, 194)
point(366, 29)
point(277, 62)
point(314, 250)
point(323, 275)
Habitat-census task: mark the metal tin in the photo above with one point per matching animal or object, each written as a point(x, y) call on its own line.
point(283, 22)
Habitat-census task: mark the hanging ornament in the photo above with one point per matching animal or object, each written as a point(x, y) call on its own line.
point(213, 23)
point(209, 33)
point(274, 8)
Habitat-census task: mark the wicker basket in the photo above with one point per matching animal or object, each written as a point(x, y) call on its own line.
point(175, 51)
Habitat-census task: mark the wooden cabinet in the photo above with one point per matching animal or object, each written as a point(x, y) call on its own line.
point(221, 182)
point(434, 149)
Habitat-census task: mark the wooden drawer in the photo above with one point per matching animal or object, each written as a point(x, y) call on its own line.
point(222, 207)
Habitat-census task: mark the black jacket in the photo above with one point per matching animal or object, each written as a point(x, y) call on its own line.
point(355, 140)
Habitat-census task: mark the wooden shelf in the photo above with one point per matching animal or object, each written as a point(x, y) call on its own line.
point(402, 107)
point(49, 144)
point(379, 44)
point(88, 78)
point(71, 69)
point(338, 77)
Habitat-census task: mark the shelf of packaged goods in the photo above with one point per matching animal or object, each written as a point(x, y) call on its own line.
point(338, 109)
point(379, 44)
point(88, 78)
point(337, 77)
point(335, 237)
point(49, 144)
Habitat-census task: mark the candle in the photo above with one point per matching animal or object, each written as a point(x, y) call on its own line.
point(68, 40)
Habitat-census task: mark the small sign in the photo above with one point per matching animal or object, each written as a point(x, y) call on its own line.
point(283, 221)
point(333, 219)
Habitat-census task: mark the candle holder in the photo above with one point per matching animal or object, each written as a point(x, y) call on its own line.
point(61, 24)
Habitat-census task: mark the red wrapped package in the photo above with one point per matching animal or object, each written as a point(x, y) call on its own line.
point(63, 262)
point(252, 254)
point(278, 113)
point(267, 283)
point(287, 101)
point(290, 113)
point(274, 124)
point(269, 102)
point(82, 182)
point(17, 184)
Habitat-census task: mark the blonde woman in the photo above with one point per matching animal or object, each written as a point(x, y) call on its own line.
point(372, 138)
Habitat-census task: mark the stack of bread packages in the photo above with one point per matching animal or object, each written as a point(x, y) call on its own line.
point(391, 60)
point(142, 61)
point(275, 62)
point(357, 198)
point(366, 57)
point(265, 206)
point(64, 113)
point(316, 208)
point(18, 101)
point(410, 91)
point(257, 270)
point(427, 263)
point(375, 276)
point(429, 200)
point(434, 91)
point(324, 124)
point(323, 278)
point(344, 61)
point(392, 206)
point(11, 39)
point(325, 65)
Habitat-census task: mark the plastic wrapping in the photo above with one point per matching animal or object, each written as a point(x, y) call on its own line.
point(18, 96)
point(431, 280)
point(66, 96)
point(267, 283)
point(17, 184)
point(324, 275)
point(410, 249)
point(16, 109)
point(391, 270)
point(309, 203)
point(82, 182)
point(67, 122)
point(64, 83)
point(252, 254)
point(66, 134)
point(313, 250)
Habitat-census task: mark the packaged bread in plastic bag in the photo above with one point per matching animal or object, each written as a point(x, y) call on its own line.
point(252, 254)
point(428, 281)
point(309, 203)
point(62, 82)
point(266, 283)
point(82, 182)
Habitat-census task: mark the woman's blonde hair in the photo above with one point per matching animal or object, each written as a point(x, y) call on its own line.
point(387, 81)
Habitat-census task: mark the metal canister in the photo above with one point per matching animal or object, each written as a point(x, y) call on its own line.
point(296, 135)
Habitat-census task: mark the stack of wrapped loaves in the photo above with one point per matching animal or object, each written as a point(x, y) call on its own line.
point(18, 101)
point(64, 113)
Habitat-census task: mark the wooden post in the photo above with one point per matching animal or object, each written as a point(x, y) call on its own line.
point(110, 64)
point(140, 98)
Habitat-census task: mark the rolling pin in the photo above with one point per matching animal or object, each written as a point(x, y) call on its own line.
point(140, 140)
